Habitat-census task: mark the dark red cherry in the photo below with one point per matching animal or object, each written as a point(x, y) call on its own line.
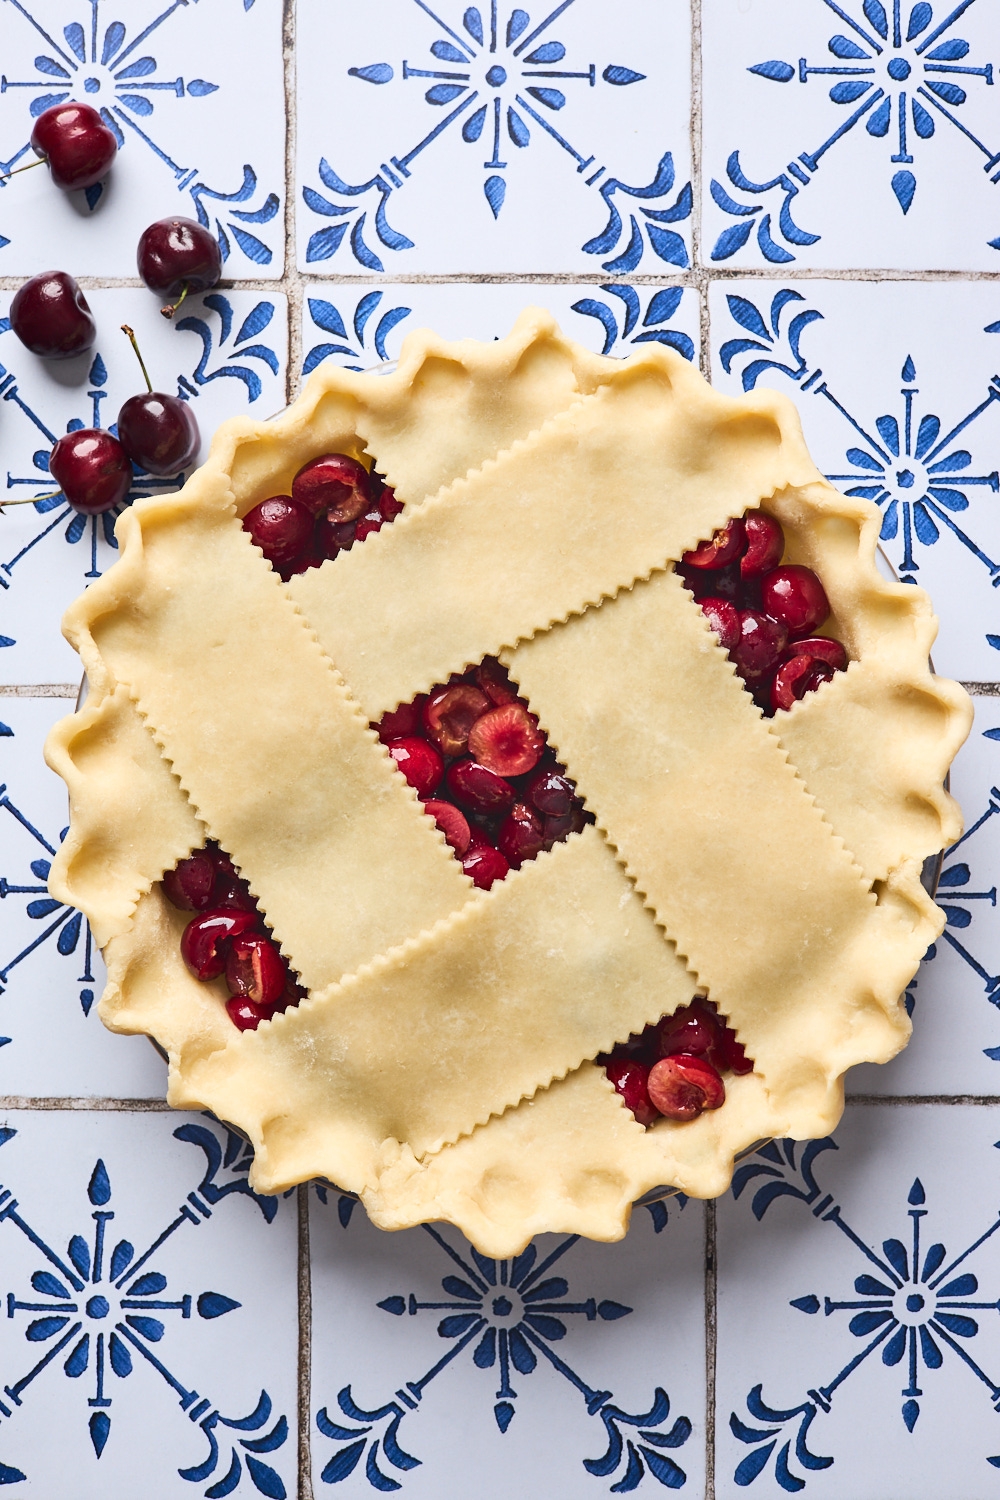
point(760, 645)
point(247, 1016)
point(450, 713)
point(280, 527)
point(478, 789)
point(724, 619)
point(821, 648)
point(159, 432)
point(795, 596)
point(452, 823)
point(255, 969)
point(682, 1087)
point(205, 940)
point(191, 884)
point(795, 678)
point(400, 722)
point(419, 762)
point(482, 863)
point(177, 256)
point(630, 1078)
point(521, 835)
point(334, 486)
point(92, 469)
point(52, 317)
point(724, 547)
point(76, 143)
point(765, 544)
point(550, 792)
point(692, 1030)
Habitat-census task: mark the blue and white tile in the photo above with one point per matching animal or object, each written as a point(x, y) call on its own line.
point(570, 1368)
point(52, 1042)
point(151, 1333)
point(226, 354)
point(955, 1047)
point(483, 138)
point(207, 147)
point(897, 389)
point(360, 325)
point(861, 134)
point(858, 1345)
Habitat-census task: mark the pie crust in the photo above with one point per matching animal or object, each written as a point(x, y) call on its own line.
point(441, 1066)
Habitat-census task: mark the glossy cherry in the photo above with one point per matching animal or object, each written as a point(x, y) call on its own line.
point(794, 595)
point(419, 762)
point(158, 431)
point(550, 792)
point(280, 527)
point(177, 256)
point(631, 1079)
point(190, 886)
point(450, 713)
point(521, 835)
point(255, 969)
point(507, 740)
point(402, 721)
point(92, 469)
point(692, 1029)
point(479, 790)
point(724, 619)
point(761, 642)
point(765, 544)
point(725, 546)
point(334, 486)
point(452, 823)
point(205, 940)
point(682, 1087)
point(76, 143)
point(483, 864)
point(52, 317)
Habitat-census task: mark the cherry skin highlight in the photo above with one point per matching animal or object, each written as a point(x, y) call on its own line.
point(280, 527)
point(725, 546)
point(254, 969)
point(452, 823)
point(76, 143)
point(191, 885)
point(92, 470)
point(521, 835)
point(631, 1080)
point(205, 940)
point(177, 256)
point(795, 596)
point(419, 762)
point(479, 790)
point(159, 432)
point(765, 544)
point(724, 619)
point(483, 864)
point(52, 317)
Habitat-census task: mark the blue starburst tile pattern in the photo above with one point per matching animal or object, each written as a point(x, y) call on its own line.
point(474, 117)
point(816, 108)
point(141, 66)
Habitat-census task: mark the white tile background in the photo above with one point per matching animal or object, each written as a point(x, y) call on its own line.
point(710, 1288)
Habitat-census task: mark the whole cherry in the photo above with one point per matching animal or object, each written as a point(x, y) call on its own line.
point(334, 486)
point(280, 527)
point(92, 469)
point(76, 143)
point(52, 317)
point(158, 431)
point(178, 256)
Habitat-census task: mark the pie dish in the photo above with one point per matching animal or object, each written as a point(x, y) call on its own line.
point(442, 1066)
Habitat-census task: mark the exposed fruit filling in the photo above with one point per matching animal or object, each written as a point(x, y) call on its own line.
point(674, 1069)
point(335, 502)
point(764, 614)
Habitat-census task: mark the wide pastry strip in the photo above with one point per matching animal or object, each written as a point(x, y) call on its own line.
point(570, 1160)
point(282, 771)
point(129, 818)
point(451, 588)
point(767, 908)
point(552, 966)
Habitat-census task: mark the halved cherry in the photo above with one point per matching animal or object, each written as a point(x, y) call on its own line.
point(479, 790)
point(389, 506)
point(682, 1087)
point(494, 681)
point(449, 714)
point(725, 546)
point(521, 835)
point(255, 969)
point(821, 648)
point(419, 762)
point(758, 651)
point(559, 827)
point(191, 884)
point(233, 892)
point(507, 740)
point(765, 544)
point(794, 595)
point(206, 938)
point(371, 521)
point(795, 678)
point(452, 823)
point(333, 537)
point(482, 863)
point(724, 619)
point(550, 791)
point(729, 1054)
point(245, 1015)
point(333, 486)
point(630, 1079)
point(401, 721)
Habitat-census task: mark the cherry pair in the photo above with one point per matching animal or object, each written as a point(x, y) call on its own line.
point(334, 502)
point(764, 615)
point(674, 1068)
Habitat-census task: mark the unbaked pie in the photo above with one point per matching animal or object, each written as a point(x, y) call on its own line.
point(446, 1050)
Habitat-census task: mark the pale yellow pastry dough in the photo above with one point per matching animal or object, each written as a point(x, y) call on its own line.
point(441, 1065)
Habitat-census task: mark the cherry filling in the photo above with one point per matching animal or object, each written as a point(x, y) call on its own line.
point(227, 936)
point(479, 763)
point(674, 1069)
point(764, 615)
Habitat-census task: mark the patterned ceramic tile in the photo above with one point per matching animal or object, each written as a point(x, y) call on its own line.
point(358, 326)
point(857, 1356)
point(149, 1346)
point(226, 354)
point(446, 137)
point(897, 390)
point(854, 134)
point(210, 147)
point(956, 1038)
point(445, 1373)
point(52, 1042)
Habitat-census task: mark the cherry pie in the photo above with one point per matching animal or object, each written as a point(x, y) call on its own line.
point(457, 1048)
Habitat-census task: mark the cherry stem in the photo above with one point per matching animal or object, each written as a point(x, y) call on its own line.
point(26, 168)
point(28, 500)
point(142, 363)
point(169, 311)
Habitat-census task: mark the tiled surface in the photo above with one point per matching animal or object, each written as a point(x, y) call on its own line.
point(736, 1347)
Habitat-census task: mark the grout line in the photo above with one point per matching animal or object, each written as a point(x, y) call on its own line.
point(982, 689)
point(711, 1287)
point(292, 280)
point(987, 1101)
point(305, 1347)
point(126, 1106)
point(41, 690)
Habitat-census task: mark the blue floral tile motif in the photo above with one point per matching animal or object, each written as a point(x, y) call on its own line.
point(897, 73)
point(910, 461)
point(912, 1306)
point(497, 78)
point(502, 1315)
point(370, 340)
point(655, 310)
point(101, 1308)
point(237, 357)
point(93, 56)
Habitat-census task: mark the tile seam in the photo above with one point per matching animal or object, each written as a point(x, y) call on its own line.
point(711, 1344)
point(304, 1387)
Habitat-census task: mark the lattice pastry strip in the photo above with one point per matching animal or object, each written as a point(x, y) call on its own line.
point(429, 1041)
